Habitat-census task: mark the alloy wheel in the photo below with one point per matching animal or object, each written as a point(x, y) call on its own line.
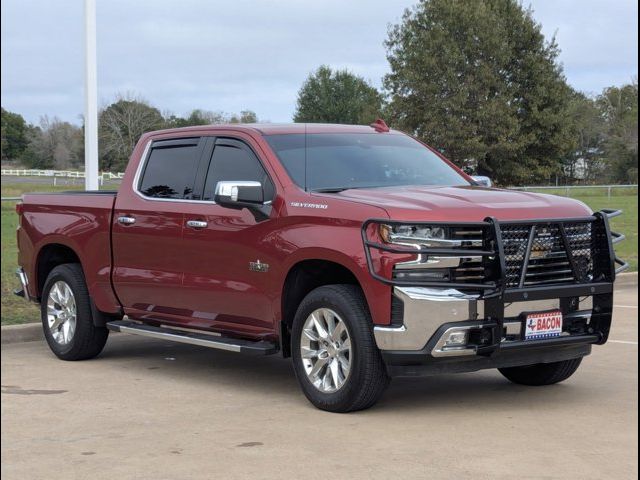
point(61, 312)
point(325, 348)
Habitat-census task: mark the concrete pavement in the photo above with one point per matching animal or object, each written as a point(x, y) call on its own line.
point(149, 409)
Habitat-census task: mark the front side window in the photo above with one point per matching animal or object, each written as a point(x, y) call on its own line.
point(233, 160)
point(360, 160)
point(170, 171)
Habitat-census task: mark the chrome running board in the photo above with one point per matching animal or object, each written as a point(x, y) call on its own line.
point(194, 338)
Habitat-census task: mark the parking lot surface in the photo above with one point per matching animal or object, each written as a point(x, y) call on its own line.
point(150, 409)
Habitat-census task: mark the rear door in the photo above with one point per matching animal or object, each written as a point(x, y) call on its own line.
point(222, 287)
point(148, 256)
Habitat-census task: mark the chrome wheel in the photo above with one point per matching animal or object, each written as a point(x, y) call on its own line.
point(61, 312)
point(325, 348)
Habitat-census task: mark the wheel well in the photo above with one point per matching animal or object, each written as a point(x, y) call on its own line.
point(49, 258)
point(301, 279)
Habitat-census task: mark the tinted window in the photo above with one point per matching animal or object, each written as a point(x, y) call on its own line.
point(170, 172)
point(360, 160)
point(235, 162)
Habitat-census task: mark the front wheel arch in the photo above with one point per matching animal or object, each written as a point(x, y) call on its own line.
point(303, 277)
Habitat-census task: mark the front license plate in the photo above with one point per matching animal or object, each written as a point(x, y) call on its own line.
point(543, 325)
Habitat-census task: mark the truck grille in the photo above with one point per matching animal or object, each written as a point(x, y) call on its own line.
point(471, 269)
point(549, 260)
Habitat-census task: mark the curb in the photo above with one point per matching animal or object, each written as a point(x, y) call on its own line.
point(31, 332)
point(627, 279)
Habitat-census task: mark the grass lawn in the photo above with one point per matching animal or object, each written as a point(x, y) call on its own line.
point(15, 310)
point(625, 199)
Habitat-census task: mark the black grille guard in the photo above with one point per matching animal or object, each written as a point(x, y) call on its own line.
point(494, 290)
point(606, 263)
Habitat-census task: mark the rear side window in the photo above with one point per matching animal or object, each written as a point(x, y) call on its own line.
point(233, 160)
point(170, 170)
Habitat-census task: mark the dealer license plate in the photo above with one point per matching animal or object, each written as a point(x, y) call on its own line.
point(543, 325)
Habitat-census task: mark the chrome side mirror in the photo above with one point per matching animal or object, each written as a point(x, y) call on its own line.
point(239, 194)
point(482, 181)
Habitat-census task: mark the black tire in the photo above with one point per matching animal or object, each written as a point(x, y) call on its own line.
point(88, 340)
point(542, 373)
point(367, 378)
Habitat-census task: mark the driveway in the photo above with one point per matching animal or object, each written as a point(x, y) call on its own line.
point(150, 409)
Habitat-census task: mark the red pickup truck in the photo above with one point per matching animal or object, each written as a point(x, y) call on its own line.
point(358, 251)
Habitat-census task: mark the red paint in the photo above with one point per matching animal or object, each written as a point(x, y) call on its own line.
point(162, 270)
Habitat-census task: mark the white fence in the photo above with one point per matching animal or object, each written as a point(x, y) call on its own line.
point(22, 172)
point(568, 189)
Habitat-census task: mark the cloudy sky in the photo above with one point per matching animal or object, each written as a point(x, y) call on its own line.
point(254, 54)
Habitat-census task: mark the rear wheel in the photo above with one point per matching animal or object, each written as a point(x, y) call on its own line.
point(67, 318)
point(336, 360)
point(542, 373)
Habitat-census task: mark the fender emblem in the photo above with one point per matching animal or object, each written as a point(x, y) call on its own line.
point(257, 266)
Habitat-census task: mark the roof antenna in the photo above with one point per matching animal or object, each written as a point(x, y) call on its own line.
point(380, 126)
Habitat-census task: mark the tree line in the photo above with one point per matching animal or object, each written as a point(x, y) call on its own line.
point(479, 81)
point(54, 143)
point(476, 80)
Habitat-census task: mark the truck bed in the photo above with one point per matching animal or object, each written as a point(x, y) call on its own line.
point(77, 220)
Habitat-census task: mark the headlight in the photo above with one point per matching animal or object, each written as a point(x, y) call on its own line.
point(431, 254)
point(427, 235)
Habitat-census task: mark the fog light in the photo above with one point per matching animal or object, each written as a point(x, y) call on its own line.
point(421, 275)
point(457, 338)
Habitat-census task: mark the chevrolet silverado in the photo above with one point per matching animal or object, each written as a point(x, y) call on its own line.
point(358, 251)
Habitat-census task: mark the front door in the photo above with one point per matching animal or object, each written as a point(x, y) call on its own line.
point(228, 259)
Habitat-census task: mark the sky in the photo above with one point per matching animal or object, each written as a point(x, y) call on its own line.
point(235, 55)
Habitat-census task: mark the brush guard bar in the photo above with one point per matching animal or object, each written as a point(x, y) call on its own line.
point(494, 291)
point(606, 263)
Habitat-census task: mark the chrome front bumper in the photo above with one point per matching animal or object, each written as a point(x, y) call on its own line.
point(425, 310)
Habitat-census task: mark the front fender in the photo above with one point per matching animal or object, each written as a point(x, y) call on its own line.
point(377, 295)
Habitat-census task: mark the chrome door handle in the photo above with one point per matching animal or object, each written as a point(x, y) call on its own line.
point(196, 224)
point(126, 220)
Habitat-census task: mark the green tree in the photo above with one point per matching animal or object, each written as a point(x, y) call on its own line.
point(54, 144)
point(478, 81)
point(14, 135)
point(246, 116)
point(207, 117)
point(121, 125)
point(585, 162)
point(619, 109)
point(339, 96)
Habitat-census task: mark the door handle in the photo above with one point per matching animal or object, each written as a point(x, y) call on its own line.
point(126, 220)
point(197, 224)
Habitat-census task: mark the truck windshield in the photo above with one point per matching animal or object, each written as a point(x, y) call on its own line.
point(330, 161)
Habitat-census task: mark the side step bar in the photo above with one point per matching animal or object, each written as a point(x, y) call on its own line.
point(193, 338)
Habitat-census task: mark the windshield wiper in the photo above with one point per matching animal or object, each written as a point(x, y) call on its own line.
point(353, 187)
point(331, 190)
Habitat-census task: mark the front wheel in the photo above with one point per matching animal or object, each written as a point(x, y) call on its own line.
point(542, 373)
point(66, 315)
point(335, 358)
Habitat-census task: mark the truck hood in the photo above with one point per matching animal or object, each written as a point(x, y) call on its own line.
point(467, 203)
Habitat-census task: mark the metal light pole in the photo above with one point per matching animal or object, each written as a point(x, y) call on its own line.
point(91, 98)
